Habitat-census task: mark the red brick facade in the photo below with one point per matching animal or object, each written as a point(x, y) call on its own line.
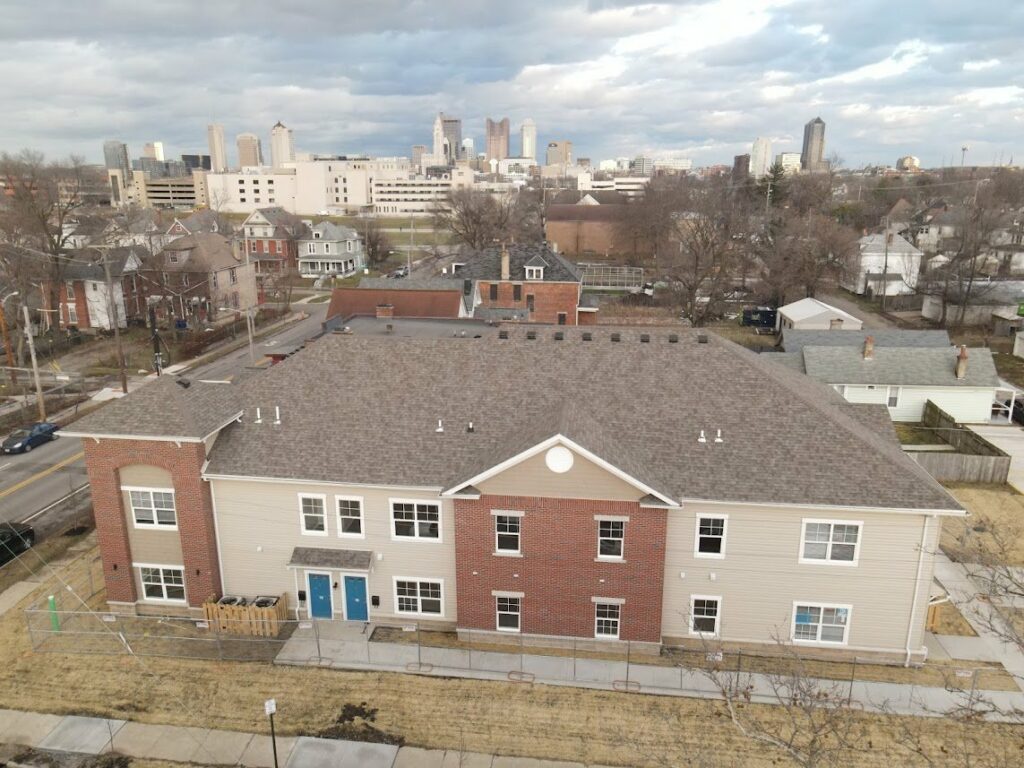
point(558, 572)
point(192, 502)
point(549, 299)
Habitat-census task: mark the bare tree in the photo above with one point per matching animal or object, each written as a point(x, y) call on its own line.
point(376, 244)
point(478, 219)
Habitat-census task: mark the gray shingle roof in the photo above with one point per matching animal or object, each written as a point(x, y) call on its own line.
point(794, 340)
point(640, 406)
point(410, 284)
point(315, 557)
point(486, 264)
point(899, 366)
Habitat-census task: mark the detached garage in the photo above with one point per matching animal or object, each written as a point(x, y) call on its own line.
point(813, 315)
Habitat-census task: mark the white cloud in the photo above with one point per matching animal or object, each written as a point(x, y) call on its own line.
point(995, 96)
point(978, 66)
point(815, 32)
point(904, 58)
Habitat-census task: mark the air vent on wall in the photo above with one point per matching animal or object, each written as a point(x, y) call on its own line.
point(673, 338)
point(559, 336)
point(502, 334)
point(531, 335)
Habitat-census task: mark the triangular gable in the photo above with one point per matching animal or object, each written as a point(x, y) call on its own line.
point(582, 459)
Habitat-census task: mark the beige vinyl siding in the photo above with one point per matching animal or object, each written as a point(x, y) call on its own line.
point(586, 480)
point(760, 576)
point(149, 545)
point(258, 527)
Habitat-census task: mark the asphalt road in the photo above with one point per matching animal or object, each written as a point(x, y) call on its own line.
point(47, 486)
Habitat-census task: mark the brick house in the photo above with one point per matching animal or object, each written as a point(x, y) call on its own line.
point(271, 237)
point(83, 298)
point(594, 484)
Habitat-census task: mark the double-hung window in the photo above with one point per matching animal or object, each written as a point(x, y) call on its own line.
point(159, 583)
point(893, 400)
point(611, 536)
point(153, 507)
point(418, 596)
point(535, 273)
point(820, 623)
point(710, 536)
point(704, 614)
point(415, 520)
point(606, 620)
point(508, 610)
point(350, 516)
point(507, 532)
point(313, 514)
point(830, 541)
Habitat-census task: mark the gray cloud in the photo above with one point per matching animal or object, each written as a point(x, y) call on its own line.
point(616, 77)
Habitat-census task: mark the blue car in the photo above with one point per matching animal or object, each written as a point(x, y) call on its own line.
point(27, 438)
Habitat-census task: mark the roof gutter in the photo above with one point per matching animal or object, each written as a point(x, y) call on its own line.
point(843, 507)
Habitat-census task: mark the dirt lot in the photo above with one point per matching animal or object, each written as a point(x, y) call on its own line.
point(994, 527)
point(949, 621)
point(498, 717)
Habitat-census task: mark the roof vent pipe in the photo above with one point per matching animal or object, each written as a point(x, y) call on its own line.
point(718, 437)
point(702, 438)
point(277, 414)
point(259, 417)
point(440, 427)
point(470, 428)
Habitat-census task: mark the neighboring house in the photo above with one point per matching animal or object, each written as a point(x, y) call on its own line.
point(206, 220)
point(83, 295)
point(196, 276)
point(885, 263)
point(555, 483)
point(531, 283)
point(330, 249)
point(406, 298)
point(990, 303)
point(271, 239)
point(85, 230)
point(813, 315)
point(795, 340)
point(963, 382)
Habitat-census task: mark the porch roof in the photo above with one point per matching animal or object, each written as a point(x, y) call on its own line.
point(340, 559)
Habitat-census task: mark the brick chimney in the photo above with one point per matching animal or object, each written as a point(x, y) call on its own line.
point(385, 311)
point(961, 362)
point(506, 268)
point(869, 347)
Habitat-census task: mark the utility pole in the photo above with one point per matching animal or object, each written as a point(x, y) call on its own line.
point(35, 365)
point(158, 358)
point(114, 321)
point(250, 326)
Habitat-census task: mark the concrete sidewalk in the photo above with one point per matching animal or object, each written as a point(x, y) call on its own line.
point(209, 746)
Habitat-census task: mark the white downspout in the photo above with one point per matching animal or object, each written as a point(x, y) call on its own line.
point(917, 587)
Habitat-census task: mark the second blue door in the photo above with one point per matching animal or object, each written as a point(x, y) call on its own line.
point(355, 598)
point(320, 596)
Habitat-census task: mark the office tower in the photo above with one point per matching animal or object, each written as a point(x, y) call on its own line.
point(497, 138)
point(418, 151)
point(560, 153)
point(528, 136)
point(218, 154)
point(197, 162)
point(250, 150)
point(814, 146)
point(740, 169)
point(468, 149)
point(115, 156)
point(760, 157)
point(282, 148)
point(154, 150)
point(642, 166)
point(447, 138)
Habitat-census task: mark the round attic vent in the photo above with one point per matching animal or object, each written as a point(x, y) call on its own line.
point(559, 459)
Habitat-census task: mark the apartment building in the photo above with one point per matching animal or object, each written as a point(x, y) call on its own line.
point(410, 195)
point(584, 483)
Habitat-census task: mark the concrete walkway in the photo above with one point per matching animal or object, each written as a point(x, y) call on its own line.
point(208, 746)
point(345, 645)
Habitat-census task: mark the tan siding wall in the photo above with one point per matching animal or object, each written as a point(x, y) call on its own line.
point(149, 545)
point(760, 576)
point(258, 527)
point(586, 480)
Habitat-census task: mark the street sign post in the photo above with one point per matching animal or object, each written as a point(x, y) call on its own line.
point(270, 707)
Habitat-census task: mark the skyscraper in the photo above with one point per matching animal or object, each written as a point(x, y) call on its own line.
point(560, 153)
point(250, 150)
point(814, 146)
point(218, 154)
point(154, 150)
point(528, 135)
point(447, 138)
point(282, 148)
point(418, 151)
point(740, 169)
point(497, 138)
point(468, 149)
point(760, 157)
point(115, 157)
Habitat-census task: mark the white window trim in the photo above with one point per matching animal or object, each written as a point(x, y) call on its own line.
point(518, 551)
point(610, 558)
point(394, 595)
point(718, 616)
point(696, 536)
point(154, 526)
point(416, 527)
point(167, 600)
point(309, 591)
point(519, 614)
point(826, 643)
point(362, 517)
point(534, 273)
point(618, 625)
point(841, 563)
point(322, 497)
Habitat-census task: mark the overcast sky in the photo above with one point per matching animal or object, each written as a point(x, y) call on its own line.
point(690, 78)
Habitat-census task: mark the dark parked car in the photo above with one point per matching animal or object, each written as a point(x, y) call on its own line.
point(15, 538)
point(27, 438)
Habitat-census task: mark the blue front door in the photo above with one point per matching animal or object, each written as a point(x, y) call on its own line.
point(320, 596)
point(355, 598)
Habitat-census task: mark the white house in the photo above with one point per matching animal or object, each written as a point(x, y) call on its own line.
point(961, 381)
point(883, 260)
point(330, 249)
point(813, 315)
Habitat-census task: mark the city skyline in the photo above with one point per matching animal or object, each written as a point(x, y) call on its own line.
point(699, 80)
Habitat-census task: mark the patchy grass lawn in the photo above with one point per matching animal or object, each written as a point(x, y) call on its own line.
point(949, 621)
point(1010, 368)
point(917, 434)
point(994, 525)
point(27, 564)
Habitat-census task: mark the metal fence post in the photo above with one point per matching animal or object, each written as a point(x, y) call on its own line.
point(739, 660)
point(853, 676)
point(316, 634)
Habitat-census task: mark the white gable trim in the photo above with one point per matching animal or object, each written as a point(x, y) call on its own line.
point(576, 448)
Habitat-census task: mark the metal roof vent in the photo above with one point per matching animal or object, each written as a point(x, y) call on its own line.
point(616, 337)
point(531, 335)
point(502, 334)
point(559, 336)
point(588, 336)
point(702, 338)
point(645, 338)
point(673, 338)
